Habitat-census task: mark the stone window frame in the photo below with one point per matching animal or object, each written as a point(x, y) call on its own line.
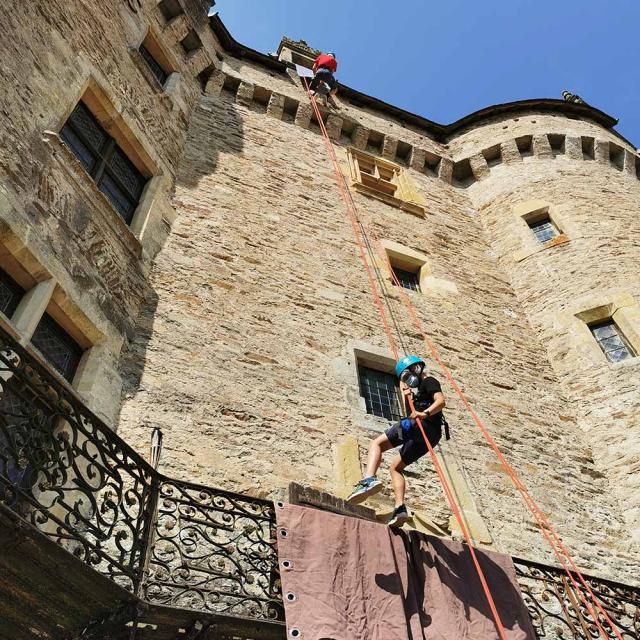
point(533, 210)
point(363, 353)
point(398, 191)
point(109, 113)
point(624, 311)
point(163, 56)
point(43, 294)
point(398, 255)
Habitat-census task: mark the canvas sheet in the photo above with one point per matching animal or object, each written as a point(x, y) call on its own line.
point(348, 579)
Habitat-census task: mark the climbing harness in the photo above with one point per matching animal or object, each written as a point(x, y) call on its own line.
point(364, 246)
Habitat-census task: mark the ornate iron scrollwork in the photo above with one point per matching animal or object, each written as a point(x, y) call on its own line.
point(214, 551)
point(67, 473)
point(557, 611)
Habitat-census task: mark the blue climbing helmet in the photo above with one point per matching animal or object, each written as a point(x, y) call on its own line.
point(406, 362)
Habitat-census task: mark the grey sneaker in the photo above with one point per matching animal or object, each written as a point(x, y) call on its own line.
point(399, 517)
point(366, 488)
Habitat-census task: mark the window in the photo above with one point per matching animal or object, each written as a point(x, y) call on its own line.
point(380, 392)
point(543, 228)
point(611, 341)
point(384, 180)
point(159, 73)
point(113, 172)
point(170, 9)
point(407, 279)
point(10, 294)
point(191, 42)
point(60, 350)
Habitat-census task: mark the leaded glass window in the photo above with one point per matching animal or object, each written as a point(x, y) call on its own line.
point(60, 350)
point(544, 230)
point(407, 279)
point(10, 294)
point(380, 393)
point(160, 74)
point(116, 176)
point(611, 341)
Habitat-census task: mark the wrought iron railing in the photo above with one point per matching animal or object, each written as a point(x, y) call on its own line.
point(214, 551)
point(65, 472)
point(557, 611)
point(184, 545)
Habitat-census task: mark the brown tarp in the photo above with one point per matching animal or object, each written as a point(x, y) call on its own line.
point(348, 579)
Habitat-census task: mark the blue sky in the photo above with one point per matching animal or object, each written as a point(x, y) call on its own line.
point(444, 59)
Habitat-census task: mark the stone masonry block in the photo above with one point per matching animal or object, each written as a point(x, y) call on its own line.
point(215, 83)
point(445, 171)
point(334, 126)
point(510, 152)
point(479, 166)
point(303, 115)
point(602, 151)
point(245, 93)
point(389, 148)
point(417, 159)
point(360, 137)
point(541, 146)
point(573, 147)
point(629, 163)
point(275, 108)
point(177, 29)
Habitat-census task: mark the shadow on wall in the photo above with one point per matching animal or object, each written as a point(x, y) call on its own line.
point(133, 359)
point(215, 128)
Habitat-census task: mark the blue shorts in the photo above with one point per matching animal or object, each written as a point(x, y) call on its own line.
point(411, 442)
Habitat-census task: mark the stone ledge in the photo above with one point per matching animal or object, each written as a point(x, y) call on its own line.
point(307, 497)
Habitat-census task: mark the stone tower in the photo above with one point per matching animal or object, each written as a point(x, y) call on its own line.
point(515, 229)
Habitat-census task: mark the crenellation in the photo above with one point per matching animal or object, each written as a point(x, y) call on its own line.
point(541, 146)
point(418, 159)
point(602, 151)
point(573, 147)
point(389, 147)
point(334, 127)
point(244, 95)
point(479, 166)
point(275, 107)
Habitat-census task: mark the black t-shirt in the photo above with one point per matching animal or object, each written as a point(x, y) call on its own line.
point(423, 398)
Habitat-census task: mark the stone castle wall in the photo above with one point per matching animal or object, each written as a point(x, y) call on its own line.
point(246, 358)
point(56, 225)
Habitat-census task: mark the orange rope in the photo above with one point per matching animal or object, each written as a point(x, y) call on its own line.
point(543, 523)
point(350, 206)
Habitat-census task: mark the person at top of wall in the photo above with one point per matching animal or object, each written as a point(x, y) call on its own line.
point(323, 81)
point(428, 402)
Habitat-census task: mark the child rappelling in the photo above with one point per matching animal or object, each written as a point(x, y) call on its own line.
point(424, 392)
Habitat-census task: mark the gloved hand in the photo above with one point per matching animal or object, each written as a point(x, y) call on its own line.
point(406, 424)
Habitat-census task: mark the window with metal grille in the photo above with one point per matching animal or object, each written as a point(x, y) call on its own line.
point(156, 68)
point(407, 279)
point(10, 294)
point(380, 393)
point(60, 350)
point(612, 341)
point(115, 175)
point(543, 229)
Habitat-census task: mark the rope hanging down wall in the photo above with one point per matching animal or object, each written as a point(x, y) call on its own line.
point(363, 241)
